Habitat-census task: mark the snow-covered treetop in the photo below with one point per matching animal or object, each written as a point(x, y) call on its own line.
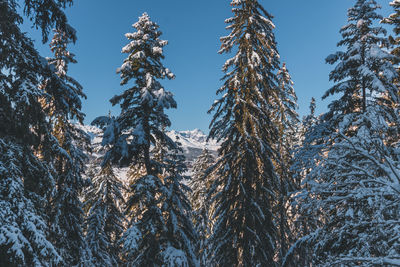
point(144, 101)
point(66, 92)
point(288, 98)
point(309, 119)
point(145, 48)
point(364, 70)
point(360, 27)
point(62, 57)
point(395, 17)
point(251, 72)
point(394, 20)
point(144, 65)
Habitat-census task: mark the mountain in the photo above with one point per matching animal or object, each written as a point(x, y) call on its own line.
point(192, 143)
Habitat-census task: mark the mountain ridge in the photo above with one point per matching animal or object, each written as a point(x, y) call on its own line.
point(192, 141)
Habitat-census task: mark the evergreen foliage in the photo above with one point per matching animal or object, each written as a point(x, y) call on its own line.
point(67, 211)
point(246, 184)
point(144, 103)
point(364, 69)
point(353, 195)
point(321, 192)
point(158, 233)
point(200, 185)
point(181, 237)
point(26, 174)
point(394, 20)
point(104, 218)
point(287, 121)
point(347, 190)
point(306, 157)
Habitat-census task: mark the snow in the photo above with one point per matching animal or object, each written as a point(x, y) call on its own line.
point(360, 23)
point(174, 257)
point(157, 50)
point(193, 139)
point(193, 142)
point(132, 237)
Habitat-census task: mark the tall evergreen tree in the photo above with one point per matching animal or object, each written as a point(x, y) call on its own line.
point(306, 157)
point(65, 104)
point(345, 188)
point(245, 188)
point(179, 247)
point(148, 241)
point(357, 75)
point(105, 219)
point(26, 143)
point(200, 184)
point(287, 121)
point(353, 196)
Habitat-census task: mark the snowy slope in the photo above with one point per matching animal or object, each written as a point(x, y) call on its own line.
point(192, 142)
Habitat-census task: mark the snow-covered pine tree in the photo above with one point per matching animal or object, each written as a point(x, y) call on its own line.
point(306, 157)
point(345, 192)
point(141, 241)
point(26, 143)
point(394, 47)
point(104, 219)
point(200, 184)
point(244, 233)
point(65, 105)
point(357, 75)
point(141, 126)
point(178, 248)
point(353, 194)
point(394, 20)
point(309, 120)
point(287, 121)
point(144, 103)
point(307, 149)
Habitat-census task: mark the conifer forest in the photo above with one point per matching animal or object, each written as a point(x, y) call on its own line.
point(265, 187)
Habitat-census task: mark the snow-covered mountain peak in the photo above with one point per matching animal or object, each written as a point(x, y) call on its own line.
point(193, 139)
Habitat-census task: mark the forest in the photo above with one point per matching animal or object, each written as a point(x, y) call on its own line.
point(281, 190)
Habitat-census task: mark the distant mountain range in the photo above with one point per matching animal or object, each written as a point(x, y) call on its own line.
point(193, 142)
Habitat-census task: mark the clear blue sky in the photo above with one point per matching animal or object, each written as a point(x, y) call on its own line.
point(306, 31)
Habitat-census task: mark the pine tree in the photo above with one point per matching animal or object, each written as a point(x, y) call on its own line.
point(394, 47)
point(353, 195)
point(67, 211)
point(357, 74)
point(104, 220)
point(141, 126)
point(307, 152)
point(306, 157)
point(345, 190)
point(143, 104)
point(26, 142)
point(200, 185)
point(244, 233)
point(309, 121)
point(179, 246)
point(141, 241)
point(160, 232)
point(286, 120)
point(394, 20)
